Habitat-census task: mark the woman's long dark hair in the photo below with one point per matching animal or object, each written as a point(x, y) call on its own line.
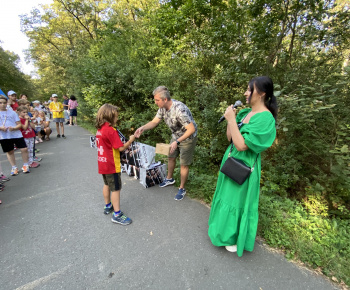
point(265, 85)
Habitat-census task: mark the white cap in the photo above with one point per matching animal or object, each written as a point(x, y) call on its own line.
point(10, 93)
point(36, 101)
point(54, 95)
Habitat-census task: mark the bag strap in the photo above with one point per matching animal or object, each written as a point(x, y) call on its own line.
point(252, 169)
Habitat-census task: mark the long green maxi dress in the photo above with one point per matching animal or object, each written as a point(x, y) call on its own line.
point(233, 217)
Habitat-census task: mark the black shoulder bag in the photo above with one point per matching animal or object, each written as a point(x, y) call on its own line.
point(236, 169)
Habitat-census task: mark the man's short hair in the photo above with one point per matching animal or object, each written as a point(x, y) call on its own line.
point(163, 93)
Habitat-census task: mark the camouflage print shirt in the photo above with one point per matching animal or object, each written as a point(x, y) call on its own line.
point(177, 118)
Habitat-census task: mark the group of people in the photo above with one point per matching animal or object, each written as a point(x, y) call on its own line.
point(233, 217)
point(234, 213)
point(25, 124)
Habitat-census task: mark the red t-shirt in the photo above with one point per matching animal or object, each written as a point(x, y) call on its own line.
point(29, 133)
point(14, 106)
point(108, 142)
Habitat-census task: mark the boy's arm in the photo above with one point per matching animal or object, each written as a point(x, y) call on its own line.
point(17, 127)
point(127, 144)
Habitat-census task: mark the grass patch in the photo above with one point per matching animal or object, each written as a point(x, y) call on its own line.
point(88, 126)
point(319, 242)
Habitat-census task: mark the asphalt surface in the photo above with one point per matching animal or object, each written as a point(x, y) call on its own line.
point(54, 235)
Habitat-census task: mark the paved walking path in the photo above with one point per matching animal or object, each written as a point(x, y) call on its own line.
point(54, 235)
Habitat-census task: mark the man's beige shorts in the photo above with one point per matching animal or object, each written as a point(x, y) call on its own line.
point(185, 150)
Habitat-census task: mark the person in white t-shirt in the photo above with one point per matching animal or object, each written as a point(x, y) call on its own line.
point(11, 136)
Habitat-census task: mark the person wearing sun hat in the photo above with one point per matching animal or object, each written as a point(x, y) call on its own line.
point(58, 117)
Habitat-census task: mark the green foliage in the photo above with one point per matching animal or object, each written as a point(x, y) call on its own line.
point(11, 78)
point(317, 241)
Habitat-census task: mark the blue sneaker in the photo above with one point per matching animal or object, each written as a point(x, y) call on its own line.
point(180, 194)
point(121, 219)
point(167, 182)
point(108, 210)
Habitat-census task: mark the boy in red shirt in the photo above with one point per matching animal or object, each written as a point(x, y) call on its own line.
point(28, 134)
point(109, 147)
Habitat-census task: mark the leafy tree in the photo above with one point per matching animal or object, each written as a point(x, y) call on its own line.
point(11, 78)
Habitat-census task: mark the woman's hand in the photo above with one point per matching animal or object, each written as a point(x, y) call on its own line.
point(230, 114)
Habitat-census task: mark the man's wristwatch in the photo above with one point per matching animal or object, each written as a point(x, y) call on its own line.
point(178, 143)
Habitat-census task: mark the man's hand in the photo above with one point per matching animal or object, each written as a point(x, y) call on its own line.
point(3, 128)
point(139, 131)
point(173, 147)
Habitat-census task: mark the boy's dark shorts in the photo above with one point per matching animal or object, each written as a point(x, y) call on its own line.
point(9, 144)
point(113, 181)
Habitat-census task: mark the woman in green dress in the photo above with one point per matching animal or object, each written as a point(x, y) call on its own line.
point(233, 219)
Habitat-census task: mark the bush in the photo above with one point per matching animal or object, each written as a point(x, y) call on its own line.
point(319, 242)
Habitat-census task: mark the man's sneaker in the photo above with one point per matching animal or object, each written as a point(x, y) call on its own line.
point(167, 182)
point(58, 136)
point(14, 171)
point(34, 165)
point(37, 159)
point(121, 219)
point(25, 169)
point(180, 194)
point(64, 137)
point(108, 210)
point(4, 178)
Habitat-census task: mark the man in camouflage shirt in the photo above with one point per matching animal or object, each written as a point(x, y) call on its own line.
point(184, 135)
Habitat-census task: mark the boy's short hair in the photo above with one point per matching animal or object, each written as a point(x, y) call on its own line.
point(23, 102)
point(3, 98)
point(22, 108)
point(107, 113)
